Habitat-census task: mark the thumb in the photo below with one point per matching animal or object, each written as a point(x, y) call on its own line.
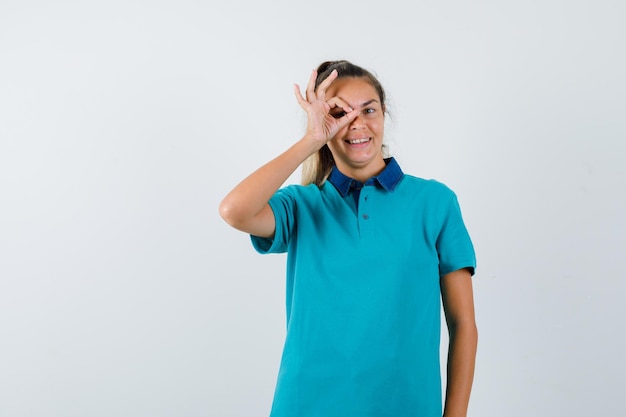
point(347, 118)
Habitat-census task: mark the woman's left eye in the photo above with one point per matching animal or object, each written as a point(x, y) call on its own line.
point(369, 111)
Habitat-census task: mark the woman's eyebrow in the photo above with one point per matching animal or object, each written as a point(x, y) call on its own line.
point(367, 103)
point(364, 104)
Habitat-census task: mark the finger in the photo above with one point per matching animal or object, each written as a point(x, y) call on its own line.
point(310, 89)
point(338, 107)
point(352, 114)
point(338, 102)
point(299, 97)
point(321, 89)
point(347, 118)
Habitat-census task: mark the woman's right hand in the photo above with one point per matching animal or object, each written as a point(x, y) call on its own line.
point(325, 117)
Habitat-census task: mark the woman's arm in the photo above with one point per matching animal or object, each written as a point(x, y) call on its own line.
point(458, 304)
point(246, 207)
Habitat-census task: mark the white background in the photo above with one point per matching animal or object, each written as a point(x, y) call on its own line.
point(124, 123)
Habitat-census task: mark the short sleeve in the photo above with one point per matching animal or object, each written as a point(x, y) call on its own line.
point(454, 245)
point(283, 205)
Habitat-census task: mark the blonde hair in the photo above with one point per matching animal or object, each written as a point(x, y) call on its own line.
point(317, 167)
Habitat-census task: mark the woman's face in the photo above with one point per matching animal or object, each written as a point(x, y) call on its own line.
point(357, 148)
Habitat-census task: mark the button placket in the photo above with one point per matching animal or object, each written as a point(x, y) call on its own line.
point(365, 215)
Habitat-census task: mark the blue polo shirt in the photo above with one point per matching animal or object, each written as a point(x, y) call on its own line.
point(363, 295)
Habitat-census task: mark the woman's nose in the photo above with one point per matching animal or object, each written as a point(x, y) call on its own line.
point(357, 123)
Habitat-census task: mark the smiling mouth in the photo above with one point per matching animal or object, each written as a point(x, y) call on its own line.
point(357, 141)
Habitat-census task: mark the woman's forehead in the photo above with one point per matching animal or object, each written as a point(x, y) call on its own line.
point(358, 89)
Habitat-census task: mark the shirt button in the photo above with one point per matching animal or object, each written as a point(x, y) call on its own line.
point(366, 216)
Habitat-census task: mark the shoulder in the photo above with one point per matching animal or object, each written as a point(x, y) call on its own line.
point(295, 194)
point(301, 192)
point(432, 187)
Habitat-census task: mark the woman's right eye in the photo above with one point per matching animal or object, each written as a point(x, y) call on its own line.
point(338, 115)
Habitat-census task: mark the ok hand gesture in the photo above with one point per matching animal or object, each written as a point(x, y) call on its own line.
point(325, 117)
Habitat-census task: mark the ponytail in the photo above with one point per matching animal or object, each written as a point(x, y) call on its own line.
point(316, 168)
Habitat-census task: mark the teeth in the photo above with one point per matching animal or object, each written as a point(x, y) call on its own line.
point(356, 141)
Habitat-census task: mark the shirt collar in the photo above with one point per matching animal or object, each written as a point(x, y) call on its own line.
point(388, 178)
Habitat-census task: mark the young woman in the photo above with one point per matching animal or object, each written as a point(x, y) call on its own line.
point(372, 253)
